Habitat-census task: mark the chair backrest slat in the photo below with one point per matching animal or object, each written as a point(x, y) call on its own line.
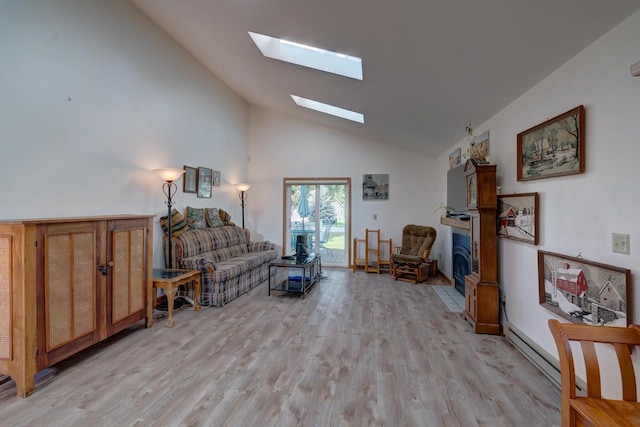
point(602, 334)
point(593, 369)
point(627, 373)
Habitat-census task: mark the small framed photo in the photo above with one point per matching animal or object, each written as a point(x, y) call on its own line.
point(480, 149)
point(552, 148)
point(216, 178)
point(190, 180)
point(455, 158)
point(518, 217)
point(584, 291)
point(205, 180)
point(375, 186)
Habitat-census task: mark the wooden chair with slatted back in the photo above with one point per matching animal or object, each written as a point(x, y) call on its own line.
point(593, 410)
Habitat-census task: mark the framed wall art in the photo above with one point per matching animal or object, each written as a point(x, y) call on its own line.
point(205, 180)
point(216, 178)
point(584, 291)
point(518, 217)
point(455, 158)
point(479, 151)
point(190, 180)
point(375, 186)
point(552, 148)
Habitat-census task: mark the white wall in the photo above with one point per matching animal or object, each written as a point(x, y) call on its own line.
point(92, 97)
point(577, 213)
point(282, 146)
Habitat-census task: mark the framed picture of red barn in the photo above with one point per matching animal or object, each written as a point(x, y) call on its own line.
point(518, 217)
point(584, 291)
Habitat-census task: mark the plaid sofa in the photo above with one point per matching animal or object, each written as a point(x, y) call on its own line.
point(230, 263)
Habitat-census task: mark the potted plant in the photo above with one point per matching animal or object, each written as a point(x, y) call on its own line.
point(471, 138)
point(443, 209)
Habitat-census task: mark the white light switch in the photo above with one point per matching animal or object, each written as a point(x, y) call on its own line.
point(620, 243)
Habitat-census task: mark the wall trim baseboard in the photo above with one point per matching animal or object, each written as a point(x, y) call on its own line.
point(443, 276)
point(539, 357)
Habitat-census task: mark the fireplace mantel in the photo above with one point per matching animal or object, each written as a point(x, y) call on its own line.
point(455, 222)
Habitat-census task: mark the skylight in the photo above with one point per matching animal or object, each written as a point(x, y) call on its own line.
point(328, 109)
point(309, 56)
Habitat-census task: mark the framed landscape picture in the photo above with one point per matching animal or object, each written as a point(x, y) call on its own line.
point(552, 148)
point(375, 186)
point(205, 181)
point(190, 179)
point(480, 149)
point(584, 291)
point(455, 158)
point(518, 217)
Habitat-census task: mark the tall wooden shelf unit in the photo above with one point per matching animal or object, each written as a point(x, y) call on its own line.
point(372, 237)
point(482, 292)
point(359, 254)
point(372, 253)
point(68, 283)
point(385, 247)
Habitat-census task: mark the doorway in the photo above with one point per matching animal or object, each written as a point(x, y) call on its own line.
point(318, 208)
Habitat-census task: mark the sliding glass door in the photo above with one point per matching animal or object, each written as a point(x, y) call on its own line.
point(318, 209)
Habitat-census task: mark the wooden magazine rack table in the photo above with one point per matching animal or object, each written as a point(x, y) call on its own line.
point(169, 280)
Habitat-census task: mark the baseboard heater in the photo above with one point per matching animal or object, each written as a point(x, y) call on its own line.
point(545, 362)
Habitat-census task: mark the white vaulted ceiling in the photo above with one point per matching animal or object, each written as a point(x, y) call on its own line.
point(430, 66)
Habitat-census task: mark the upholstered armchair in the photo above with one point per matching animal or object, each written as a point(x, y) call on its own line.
point(409, 262)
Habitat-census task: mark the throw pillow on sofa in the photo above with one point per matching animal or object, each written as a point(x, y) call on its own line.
point(213, 217)
point(225, 217)
point(178, 223)
point(195, 217)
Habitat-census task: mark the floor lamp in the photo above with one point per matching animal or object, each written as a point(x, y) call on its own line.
point(243, 188)
point(169, 188)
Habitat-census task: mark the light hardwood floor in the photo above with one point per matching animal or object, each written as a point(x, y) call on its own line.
point(360, 350)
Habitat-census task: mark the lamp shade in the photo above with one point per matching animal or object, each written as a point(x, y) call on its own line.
point(169, 174)
point(243, 186)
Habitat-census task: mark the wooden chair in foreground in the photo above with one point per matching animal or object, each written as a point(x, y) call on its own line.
point(593, 410)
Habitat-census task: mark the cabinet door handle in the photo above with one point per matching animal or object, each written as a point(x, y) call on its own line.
point(110, 264)
point(104, 270)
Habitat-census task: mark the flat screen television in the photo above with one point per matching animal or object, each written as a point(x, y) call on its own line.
point(302, 245)
point(457, 190)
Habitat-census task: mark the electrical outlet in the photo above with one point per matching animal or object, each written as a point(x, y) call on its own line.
point(620, 243)
point(504, 299)
point(375, 217)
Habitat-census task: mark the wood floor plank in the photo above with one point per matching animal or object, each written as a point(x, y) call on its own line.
point(360, 350)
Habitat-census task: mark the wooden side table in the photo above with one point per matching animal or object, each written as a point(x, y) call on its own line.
point(433, 267)
point(168, 280)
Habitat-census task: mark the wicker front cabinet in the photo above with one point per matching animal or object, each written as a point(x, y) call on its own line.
point(68, 283)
